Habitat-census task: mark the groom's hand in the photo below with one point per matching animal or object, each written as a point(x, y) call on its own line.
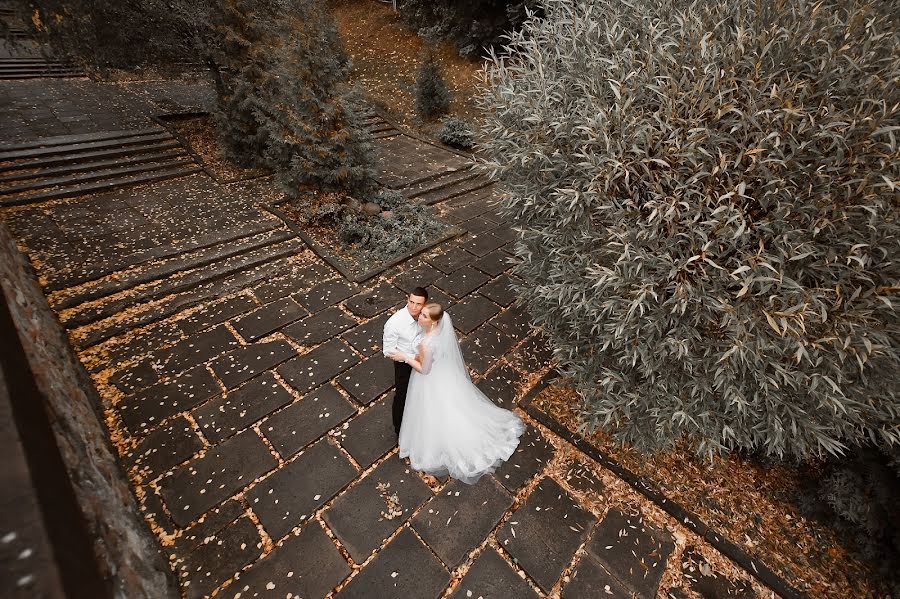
point(398, 356)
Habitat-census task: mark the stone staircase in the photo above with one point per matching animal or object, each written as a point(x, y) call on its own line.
point(36, 67)
point(73, 165)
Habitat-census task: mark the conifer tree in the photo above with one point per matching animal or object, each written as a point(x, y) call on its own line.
point(285, 107)
point(432, 95)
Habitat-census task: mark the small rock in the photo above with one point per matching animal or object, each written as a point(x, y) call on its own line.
point(371, 208)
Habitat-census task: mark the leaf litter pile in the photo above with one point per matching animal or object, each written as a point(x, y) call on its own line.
point(750, 504)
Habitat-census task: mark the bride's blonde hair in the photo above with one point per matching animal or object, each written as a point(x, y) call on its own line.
point(434, 311)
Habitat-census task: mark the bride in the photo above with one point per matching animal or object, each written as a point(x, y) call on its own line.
point(449, 426)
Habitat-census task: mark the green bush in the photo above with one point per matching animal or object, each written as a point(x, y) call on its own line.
point(457, 133)
point(381, 238)
point(432, 95)
point(709, 214)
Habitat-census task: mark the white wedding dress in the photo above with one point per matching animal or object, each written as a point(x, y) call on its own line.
point(449, 426)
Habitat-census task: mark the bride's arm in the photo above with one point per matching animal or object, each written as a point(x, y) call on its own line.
point(421, 362)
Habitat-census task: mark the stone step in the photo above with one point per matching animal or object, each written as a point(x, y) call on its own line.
point(177, 303)
point(92, 166)
point(453, 191)
point(82, 157)
point(73, 148)
point(59, 140)
point(34, 63)
point(386, 134)
point(438, 181)
point(60, 280)
point(185, 262)
point(40, 75)
point(383, 129)
point(184, 282)
point(62, 183)
point(148, 177)
point(448, 186)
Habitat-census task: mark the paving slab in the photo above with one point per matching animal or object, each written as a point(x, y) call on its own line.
point(706, 582)
point(146, 409)
point(363, 517)
point(195, 350)
point(491, 577)
point(422, 275)
point(501, 385)
point(221, 472)
point(237, 409)
point(590, 579)
point(326, 294)
point(216, 561)
point(206, 528)
point(582, 478)
point(499, 291)
point(371, 434)
point(535, 353)
point(472, 311)
point(462, 281)
point(369, 380)
point(514, 321)
point(544, 533)
point(217, 313)
point(244, 363)
point(402, 160)
point(376, 300)
point(135, 377)
point(452, 259)
point(305, 565)
point(366, 338)
point(319, 327)
point(530, 457)
point(482, 244)
point(405, 568)
point(460, 517)
point(507, 234)
point(483, 347)
point(304, 421)
point(293, 493)
point(308, 371)
point(268, 319)
point(477, 225)
point(166, 447)
point(494, 263)
point(632, 550)
point(301, 279)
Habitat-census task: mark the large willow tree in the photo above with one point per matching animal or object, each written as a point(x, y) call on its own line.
point(707, 193)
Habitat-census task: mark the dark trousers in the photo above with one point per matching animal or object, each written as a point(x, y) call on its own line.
point(401, 383)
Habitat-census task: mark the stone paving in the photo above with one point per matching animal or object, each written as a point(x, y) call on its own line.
point(244, 389)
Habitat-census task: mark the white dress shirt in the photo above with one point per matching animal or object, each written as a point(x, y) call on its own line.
point(401, 333)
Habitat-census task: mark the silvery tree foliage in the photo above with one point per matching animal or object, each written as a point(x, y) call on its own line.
point(708, 205)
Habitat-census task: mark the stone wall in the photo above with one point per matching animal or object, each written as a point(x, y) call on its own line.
point(126, 557)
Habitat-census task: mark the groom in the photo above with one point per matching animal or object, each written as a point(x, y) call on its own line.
point(403, 334)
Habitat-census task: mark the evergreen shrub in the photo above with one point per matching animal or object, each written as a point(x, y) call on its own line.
point(457, 133)
point(707, 194)
point(284, 107)
point(432, 95)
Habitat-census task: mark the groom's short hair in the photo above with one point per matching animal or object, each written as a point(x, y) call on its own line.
point(420, 292)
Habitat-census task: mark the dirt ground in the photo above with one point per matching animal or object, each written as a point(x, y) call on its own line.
point(385, 56)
